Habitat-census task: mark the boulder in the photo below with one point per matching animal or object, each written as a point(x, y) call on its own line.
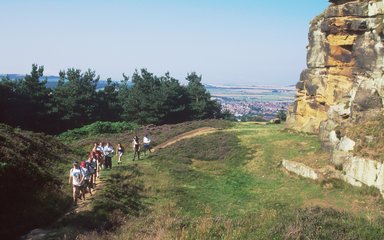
point(300, 169)
point(364, 170)
point(346, 144)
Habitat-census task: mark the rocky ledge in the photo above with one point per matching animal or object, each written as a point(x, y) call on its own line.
point(343, 85)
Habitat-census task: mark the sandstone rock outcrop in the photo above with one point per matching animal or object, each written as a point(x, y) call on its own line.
point(343, 85)
point(344, 79)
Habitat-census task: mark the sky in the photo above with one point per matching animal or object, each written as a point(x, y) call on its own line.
point(236, 42)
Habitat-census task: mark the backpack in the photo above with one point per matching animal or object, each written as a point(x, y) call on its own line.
point(90, 168)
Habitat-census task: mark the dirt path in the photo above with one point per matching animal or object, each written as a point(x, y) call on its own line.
point(190, 134)
point(85, 205)
point(82, 205)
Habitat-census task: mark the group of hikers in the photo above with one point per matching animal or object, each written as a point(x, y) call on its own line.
point(83, 175)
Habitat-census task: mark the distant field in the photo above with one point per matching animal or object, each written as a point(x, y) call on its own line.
point(253, 93)
point(51, 80)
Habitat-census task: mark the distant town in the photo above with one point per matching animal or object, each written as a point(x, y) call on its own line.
point(261, 101)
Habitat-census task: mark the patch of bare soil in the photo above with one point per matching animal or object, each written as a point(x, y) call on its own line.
point(190, 134)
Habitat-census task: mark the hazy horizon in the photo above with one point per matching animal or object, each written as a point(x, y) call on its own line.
point(244, 43)
point(233, 84)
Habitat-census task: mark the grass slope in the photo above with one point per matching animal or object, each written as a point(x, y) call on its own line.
point(33, 170)
point(121, 197)
point(228, 185)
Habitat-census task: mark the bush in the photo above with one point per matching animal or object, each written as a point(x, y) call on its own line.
point(33, 176)
point(97, 128)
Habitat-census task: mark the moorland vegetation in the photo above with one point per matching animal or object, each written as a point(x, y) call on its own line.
point(33, 169)
point(226, 184)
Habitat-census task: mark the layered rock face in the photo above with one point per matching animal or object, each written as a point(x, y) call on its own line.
point(343, 86)
point(344, 79)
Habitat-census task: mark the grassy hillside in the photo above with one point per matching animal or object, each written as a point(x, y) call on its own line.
point(124, 191)
point(228, 185)
point(222, 185)
point(33, 170)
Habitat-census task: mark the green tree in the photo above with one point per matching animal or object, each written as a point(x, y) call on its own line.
point(75, 98)
point(153, 99)
point(282, 115)
point(109, 107)
point(201, 105)
point(227, 115)
point(25, 102)
point(32, 87)
point(142, 104)
point(10, 102)
point(122, 98)
point(174, 100)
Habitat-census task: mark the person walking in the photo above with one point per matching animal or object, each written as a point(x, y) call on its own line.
point(100, 151)
point(120, 152)
point(136, 147)
point(91, 165)
point(76, 178)
point(108, 154)
point(86, 187)
point(146, 144)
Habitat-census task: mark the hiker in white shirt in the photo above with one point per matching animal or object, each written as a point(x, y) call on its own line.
point(108, 154)
point(76, 178)
point(146, 144)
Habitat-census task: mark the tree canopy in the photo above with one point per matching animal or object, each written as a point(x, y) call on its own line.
point(143, 98)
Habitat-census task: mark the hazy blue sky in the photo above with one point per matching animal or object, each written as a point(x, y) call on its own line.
point(228, 42)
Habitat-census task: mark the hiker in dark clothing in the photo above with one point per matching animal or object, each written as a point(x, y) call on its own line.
point(120, 152)
point(136, 147)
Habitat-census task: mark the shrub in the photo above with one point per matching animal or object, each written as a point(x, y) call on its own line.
point(97, 128)
point(33, 168)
